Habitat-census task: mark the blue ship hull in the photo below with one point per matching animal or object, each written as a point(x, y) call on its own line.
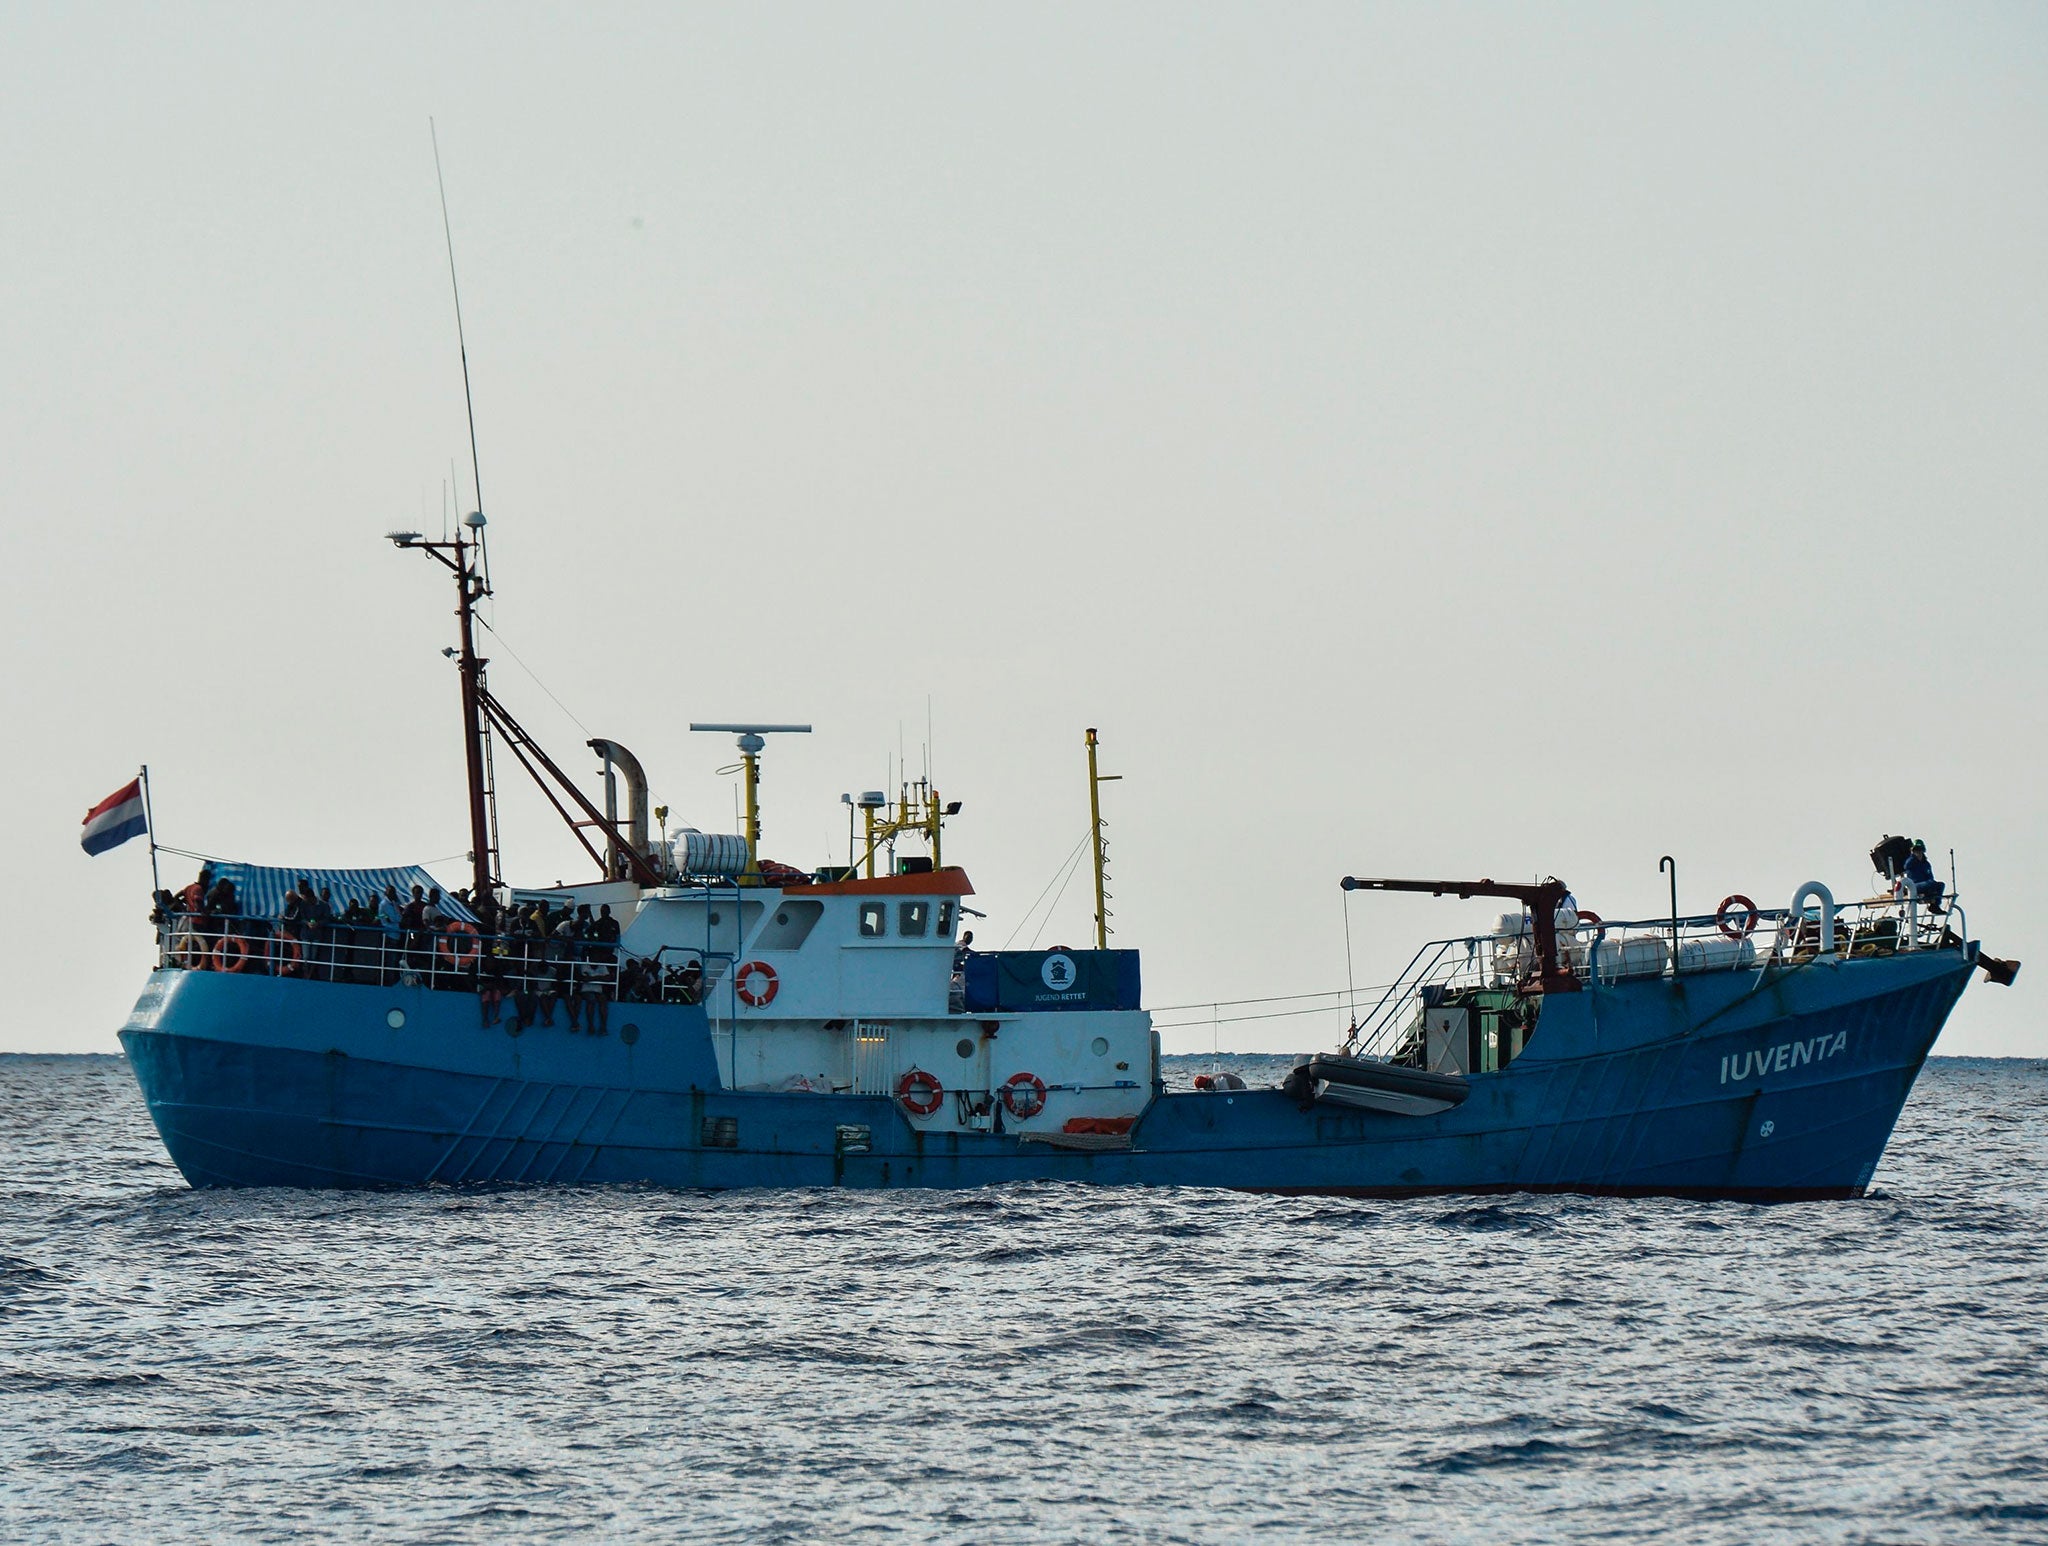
point(1778, 1085)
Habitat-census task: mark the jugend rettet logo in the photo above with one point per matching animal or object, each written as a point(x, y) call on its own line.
point(1057, 972)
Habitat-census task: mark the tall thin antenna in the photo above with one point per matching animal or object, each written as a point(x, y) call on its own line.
point(461, 342)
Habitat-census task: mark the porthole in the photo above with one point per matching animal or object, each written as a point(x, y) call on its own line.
point(629, 1033)
point(965, 1047)
point(1099, 1046)
point(782, 918)
point(395, 1019)
point(716, 919)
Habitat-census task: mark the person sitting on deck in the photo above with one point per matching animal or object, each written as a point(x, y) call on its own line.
point(522, 948)
point(600, 974)
point(688, 983)
point(1920, 879)
point(433, 919)
point(193, 898)
point(412, 928)
point(639, 983)
point(222, 908)
point(441, 952)
point(295, 923)
point(594, 980)
point(558, 950)
point(178, 927)
point(391, 919)
point(491, 974)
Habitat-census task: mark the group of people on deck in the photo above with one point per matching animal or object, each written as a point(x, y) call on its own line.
point(545, 958)
point(540, 957)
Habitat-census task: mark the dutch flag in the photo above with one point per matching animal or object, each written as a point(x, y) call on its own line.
point(115, 819)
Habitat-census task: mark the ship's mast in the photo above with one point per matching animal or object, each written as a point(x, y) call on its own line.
point(472, 583)
point(463, 556)
point(470, 586)
point(468, 557)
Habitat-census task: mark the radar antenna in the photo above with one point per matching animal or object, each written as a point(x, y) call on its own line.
point(751, 746)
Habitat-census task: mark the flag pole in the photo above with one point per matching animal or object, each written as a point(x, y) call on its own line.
point(149, 824)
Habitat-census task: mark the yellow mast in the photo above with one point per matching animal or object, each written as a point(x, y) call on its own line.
point(917, 808)
point(751, 744)
point(1095, 782)
point(750, 755)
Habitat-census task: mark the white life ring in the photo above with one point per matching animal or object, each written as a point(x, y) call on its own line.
point(756, 984)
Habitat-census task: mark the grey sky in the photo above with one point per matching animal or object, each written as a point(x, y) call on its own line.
point(1425, 440)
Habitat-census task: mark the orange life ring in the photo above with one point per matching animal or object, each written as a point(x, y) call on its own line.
point(1587, 915)
point(241, 953)
point(1724, 914)
point(1023, 1095)
point(920, 1092)
point(743, 984)
point(455, 955)
point(289, 956)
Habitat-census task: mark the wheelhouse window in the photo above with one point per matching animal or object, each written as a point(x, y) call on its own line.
point(945, 924)
point(874, 920)
point(911, 918)
point(790, 926)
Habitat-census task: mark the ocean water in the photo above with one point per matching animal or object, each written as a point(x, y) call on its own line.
point(1019, 1364)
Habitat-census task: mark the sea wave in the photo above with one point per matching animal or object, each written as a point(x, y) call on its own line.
point(1025, 1363)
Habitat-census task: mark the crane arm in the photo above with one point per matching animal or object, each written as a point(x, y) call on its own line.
point(1540, 897)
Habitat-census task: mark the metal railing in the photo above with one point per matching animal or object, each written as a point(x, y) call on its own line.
point(455, 959)
point(1606, 953)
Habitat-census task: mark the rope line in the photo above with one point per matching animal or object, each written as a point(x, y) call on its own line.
point(1350, 977)
point(1269, 998)
point(1073, 869)
point(1056, 874)
point(543, 686)
point(1276, 1014)
point(186, 853)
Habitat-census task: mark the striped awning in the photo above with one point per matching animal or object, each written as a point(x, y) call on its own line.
point(261, 888)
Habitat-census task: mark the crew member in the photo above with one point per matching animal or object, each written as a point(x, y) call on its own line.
point(1920, 879)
